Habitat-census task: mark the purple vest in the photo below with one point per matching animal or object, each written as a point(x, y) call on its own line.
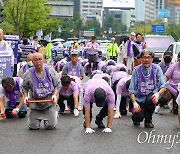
point(42, 88)
point(24, 69)
point(130, 52)
point(146, 84)
point(3, 48)
point(74, 71)
point(15, 94)
point(139, 46)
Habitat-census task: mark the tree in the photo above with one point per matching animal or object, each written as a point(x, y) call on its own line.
point(7, 27)
point(93, 24)
point(27, 16)
point(52, 25)
point(116, 25)
point(71, 27)
point(174, 31)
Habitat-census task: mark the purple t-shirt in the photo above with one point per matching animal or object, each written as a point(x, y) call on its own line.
point(92, 48)
point(120, 65)
point(100, 76)
point(164, 67)
point(101, 64)
point(73, 89)
point(173, 74)
point(118, 75)
point(91, 85)
point(121, 86)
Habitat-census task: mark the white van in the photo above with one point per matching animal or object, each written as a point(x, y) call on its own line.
point(175, 49)
point(158, 44)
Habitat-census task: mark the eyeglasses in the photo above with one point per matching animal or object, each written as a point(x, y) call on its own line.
point(148, 58)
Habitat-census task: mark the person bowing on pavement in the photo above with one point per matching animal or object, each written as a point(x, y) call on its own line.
point(99, 92)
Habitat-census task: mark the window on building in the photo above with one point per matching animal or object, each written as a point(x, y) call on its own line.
point(85, 2)
point(92, 2)
point(92, 6)
point(98, 6)
point(85, 6)
point(99, 3)
point(117, 16)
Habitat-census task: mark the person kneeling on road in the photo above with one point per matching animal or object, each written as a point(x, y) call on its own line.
point(11, 90)
point(178, 102)
point(146, 86)
point(42, 84)
point(98, 91)
point(70, 92)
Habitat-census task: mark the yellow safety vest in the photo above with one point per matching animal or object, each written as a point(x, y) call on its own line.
point(112, 49)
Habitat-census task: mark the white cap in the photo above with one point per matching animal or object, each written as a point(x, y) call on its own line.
point(132, 33)
point(113, 38)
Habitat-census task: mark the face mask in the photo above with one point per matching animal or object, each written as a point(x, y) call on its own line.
point(167, 60)
point(30, 63)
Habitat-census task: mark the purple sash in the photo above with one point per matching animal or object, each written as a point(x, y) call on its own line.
point(14, 94)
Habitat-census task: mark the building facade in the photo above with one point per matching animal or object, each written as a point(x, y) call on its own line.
point(61, 9)
point(174, 7)
point(149, 10)
point(89, 7)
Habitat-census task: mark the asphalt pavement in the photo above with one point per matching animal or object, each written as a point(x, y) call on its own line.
point(69, 136)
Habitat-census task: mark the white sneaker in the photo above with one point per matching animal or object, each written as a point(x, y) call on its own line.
point(170, 105)
point(157, 109)
point(117, 115)
point(114, 108)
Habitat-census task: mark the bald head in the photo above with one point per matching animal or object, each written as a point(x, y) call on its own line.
point(37, 55)
point(29, 57)
point(38, 61)
point(1, 34)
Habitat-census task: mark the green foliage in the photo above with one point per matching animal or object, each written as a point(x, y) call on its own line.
point(52, 25)
point(93, 24)
point(116, 25)
point(174, 31)
point(7, 27)
point(71, 27)
point(27, 16)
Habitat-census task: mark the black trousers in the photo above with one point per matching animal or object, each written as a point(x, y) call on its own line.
point(21, 114)
point(92, 59)
point(114, 89)
point(147, 110)
point(102, 114)
point(70, 102)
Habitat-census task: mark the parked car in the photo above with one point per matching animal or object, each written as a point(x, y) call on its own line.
point(158, 44)
point(175, 49)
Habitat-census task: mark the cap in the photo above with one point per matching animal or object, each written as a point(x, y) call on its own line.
point(75, 52)
point(132, 33)
point(113, 38)
point(167, 53)
point(99, 97)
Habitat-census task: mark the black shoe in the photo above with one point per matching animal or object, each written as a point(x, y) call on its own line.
point(99, 124)
point(149, 125)
point(136, 123)
point(123, 112)
point(61, 111)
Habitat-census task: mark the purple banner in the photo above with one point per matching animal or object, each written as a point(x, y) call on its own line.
point(5, 66)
